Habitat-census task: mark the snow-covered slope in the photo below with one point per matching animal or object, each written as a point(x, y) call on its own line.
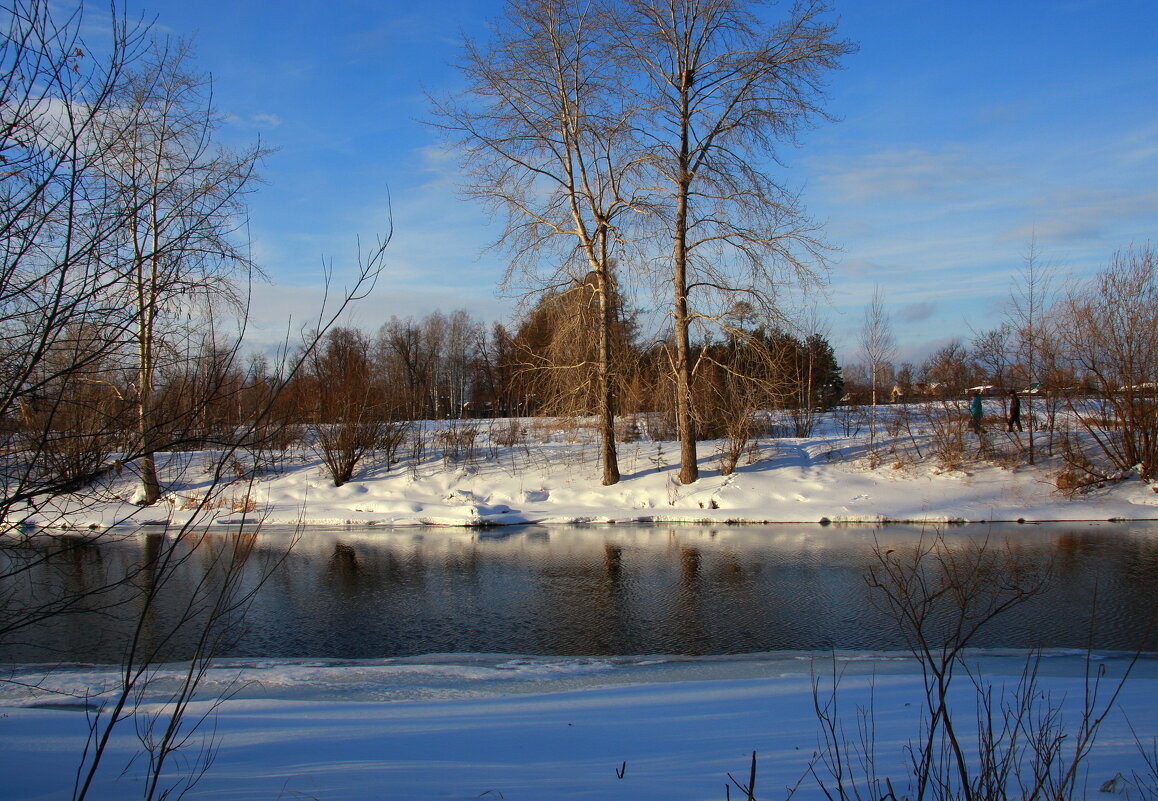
point(551, 475)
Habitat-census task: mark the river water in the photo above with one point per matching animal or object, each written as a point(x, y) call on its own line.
point(591, 591)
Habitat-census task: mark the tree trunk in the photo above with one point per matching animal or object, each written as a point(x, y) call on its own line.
point(150, 483)
point(1029, 421)
point(147, 315)
point(685, 421)
point(606, 385)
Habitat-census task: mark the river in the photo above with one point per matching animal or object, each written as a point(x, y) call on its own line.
point(590, 591)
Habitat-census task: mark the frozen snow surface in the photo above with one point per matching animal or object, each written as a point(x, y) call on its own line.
point(501, 727)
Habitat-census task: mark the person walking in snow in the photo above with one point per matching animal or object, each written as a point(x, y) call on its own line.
point(975, 412)
point(1014, 412)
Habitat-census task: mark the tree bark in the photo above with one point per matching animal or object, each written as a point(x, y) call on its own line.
point(608, 454)
point(685, 413)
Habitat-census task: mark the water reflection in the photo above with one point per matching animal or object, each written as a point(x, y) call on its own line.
point(605, 590)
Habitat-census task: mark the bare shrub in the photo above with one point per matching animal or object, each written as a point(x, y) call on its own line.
point(567, 428)
point(900, 427)
point(1109, 334)
point(419, 441)
point(458, 440)
point(947, 427)
point(1145, 779)
point(738, 436)
point(1077, 471)
point(353, 419)
point(271, 442)
point(803, 419)
point(851, 417)
point(346, 446)
point(71, 440)
point(509, 433)
point(942, 594)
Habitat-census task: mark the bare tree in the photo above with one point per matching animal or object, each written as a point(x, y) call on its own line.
point(430, 364)
point(1109, 332)
point(1029, 299)
point(354, 420)
point(183, 200)
point(61, 326)
point(543, 127)
point(816, 376)
point(878, 346)
point(722, 89)
point(458, 357)
point(74, 237)
point(991, 350)
point(406, 355)
point(206, 611)
point(555, 363)
point(947, 372)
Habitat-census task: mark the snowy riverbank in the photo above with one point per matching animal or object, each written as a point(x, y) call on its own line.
point(550, 474)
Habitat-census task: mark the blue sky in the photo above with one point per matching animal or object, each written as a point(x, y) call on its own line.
point(965, 127)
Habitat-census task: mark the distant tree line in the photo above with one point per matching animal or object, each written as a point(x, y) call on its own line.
point(453, 367)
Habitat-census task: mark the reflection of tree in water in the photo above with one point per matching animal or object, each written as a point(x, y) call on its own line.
point(734, 601)
point(1106, 578)
point(53, 587)
point(581, 604)
point(343, 567)
point(688, 632)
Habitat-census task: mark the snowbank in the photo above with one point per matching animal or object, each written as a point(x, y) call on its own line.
point(551, 475)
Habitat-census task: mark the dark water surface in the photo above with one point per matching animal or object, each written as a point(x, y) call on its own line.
point(614, 590)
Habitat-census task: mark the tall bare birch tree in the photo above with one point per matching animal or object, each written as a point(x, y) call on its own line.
point(878, 346)
point(721, 90)
point(1029, 297)
point(183, 198)
point(543, 128)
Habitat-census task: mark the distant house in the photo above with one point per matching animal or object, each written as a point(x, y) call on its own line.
point(919, 390)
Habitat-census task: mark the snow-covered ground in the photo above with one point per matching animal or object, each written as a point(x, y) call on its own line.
point(462, 726)
point(534, 729)
point(551, 475)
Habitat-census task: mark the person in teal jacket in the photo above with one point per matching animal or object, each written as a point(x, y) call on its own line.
point(975, 412)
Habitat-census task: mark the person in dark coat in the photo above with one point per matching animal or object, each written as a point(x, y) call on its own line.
point(975, 412)
point(1014, 411)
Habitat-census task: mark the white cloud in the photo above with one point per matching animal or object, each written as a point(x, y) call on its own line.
point(253, 121)
point(910, 175)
